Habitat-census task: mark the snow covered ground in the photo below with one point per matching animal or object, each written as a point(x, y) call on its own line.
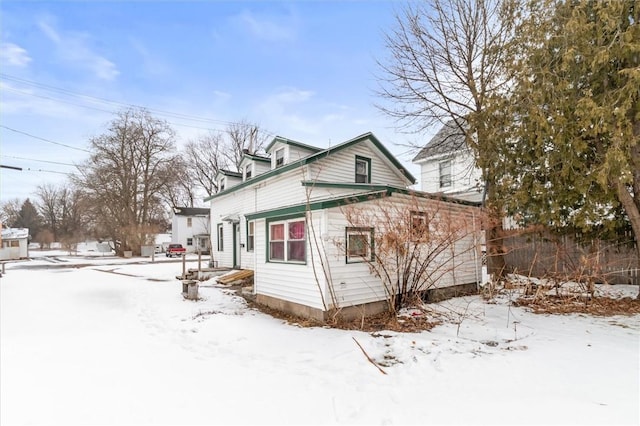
point(100, 340)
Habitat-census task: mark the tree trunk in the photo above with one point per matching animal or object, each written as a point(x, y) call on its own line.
point(633, 213)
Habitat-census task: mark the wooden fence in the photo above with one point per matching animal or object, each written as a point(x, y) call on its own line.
point(543, 254)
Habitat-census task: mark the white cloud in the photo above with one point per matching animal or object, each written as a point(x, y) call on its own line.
point(269, 28)
point(75, 49)
point(12, 54)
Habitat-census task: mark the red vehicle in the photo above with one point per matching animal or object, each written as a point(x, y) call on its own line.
point(175, 250)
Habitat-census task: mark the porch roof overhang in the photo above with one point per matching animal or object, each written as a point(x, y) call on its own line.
point(232, 218)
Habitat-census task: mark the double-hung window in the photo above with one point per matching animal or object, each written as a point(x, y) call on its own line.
point(220, 237)
point(221, 185)
point(189, 222)
point(359, 244)
point(445, 174)
point(248, 169)
point(363, 170)
point(287, 241)
point(250, 235)
point(279, 157)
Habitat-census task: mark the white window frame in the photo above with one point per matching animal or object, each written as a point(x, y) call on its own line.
point(189, 241)
point(286, 240)
point(251, 235)
point(220, 237)
point(248, 171)
point(446, 179)
point(282, 159)
point(222, 184)
point(365, 232)
point(189, 222)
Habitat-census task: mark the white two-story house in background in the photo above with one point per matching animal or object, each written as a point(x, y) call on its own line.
point(284, 217)
point(190, 227)
point(447, 165)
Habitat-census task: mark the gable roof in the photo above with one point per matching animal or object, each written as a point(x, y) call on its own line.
point(190, 211)
point(256, 157)
point(228, 173)
point(449, 139)
point(320, 155)
point(292, 143)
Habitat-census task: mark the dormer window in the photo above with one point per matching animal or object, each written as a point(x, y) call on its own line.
point(363, 170)
point(248, 169)
point(279, 157)
point(222, 184)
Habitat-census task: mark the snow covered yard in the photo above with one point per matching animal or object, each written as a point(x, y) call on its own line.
point(115, 343)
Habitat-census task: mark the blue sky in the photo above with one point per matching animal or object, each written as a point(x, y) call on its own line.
point(304, 70)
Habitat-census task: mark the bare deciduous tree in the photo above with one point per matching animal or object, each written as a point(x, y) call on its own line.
point(414, 244)
point(446, 62)
point(129, 168)
point(215, 151)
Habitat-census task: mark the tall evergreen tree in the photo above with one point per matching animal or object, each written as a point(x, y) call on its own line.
point(28, 217)
point(573, 159)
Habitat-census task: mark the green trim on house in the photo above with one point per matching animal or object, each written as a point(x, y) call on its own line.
point(220, 237)
point(299, 209)
point(257, 158)
point(391, 189)
point(366, 160)
point(292, 143)
point(315, 157)
point(267, 231)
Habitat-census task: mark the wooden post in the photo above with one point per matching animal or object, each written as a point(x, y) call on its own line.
point(184, 266)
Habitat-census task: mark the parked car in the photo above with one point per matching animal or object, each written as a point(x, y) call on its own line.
point(175, 250)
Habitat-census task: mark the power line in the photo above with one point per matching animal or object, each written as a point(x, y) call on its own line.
point(114, 103)
point(43, 139)
point(40, 161)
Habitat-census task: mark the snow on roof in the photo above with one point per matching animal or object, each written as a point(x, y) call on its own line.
point(14, 233)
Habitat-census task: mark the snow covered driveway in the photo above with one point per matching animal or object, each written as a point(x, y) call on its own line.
point(117, 344)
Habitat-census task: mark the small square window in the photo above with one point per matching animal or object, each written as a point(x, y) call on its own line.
point(189, 241)
point(359, 244)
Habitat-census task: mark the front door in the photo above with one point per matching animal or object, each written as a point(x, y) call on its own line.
point(236, 245)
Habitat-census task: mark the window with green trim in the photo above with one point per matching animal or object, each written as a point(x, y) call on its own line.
point(359, 242)
point(250, 235)
point(220, 237)
point(287, 241)
point(363, 170)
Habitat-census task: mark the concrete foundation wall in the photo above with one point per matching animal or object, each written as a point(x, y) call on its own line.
point(438, 294)
point(349, 313)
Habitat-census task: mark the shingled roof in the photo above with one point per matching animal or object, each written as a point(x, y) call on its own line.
point(448, 139)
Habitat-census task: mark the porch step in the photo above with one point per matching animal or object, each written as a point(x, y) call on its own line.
point(241, 275)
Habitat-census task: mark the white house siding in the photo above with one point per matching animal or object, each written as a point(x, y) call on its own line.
point(340, 167)
point(353, 283)
point(180, 232)
point(464, 175)
point(289, 281)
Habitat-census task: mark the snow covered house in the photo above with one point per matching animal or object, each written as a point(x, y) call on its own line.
point(14, 243)
point(290, 224)
point(191, 227)
point(447, 165)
